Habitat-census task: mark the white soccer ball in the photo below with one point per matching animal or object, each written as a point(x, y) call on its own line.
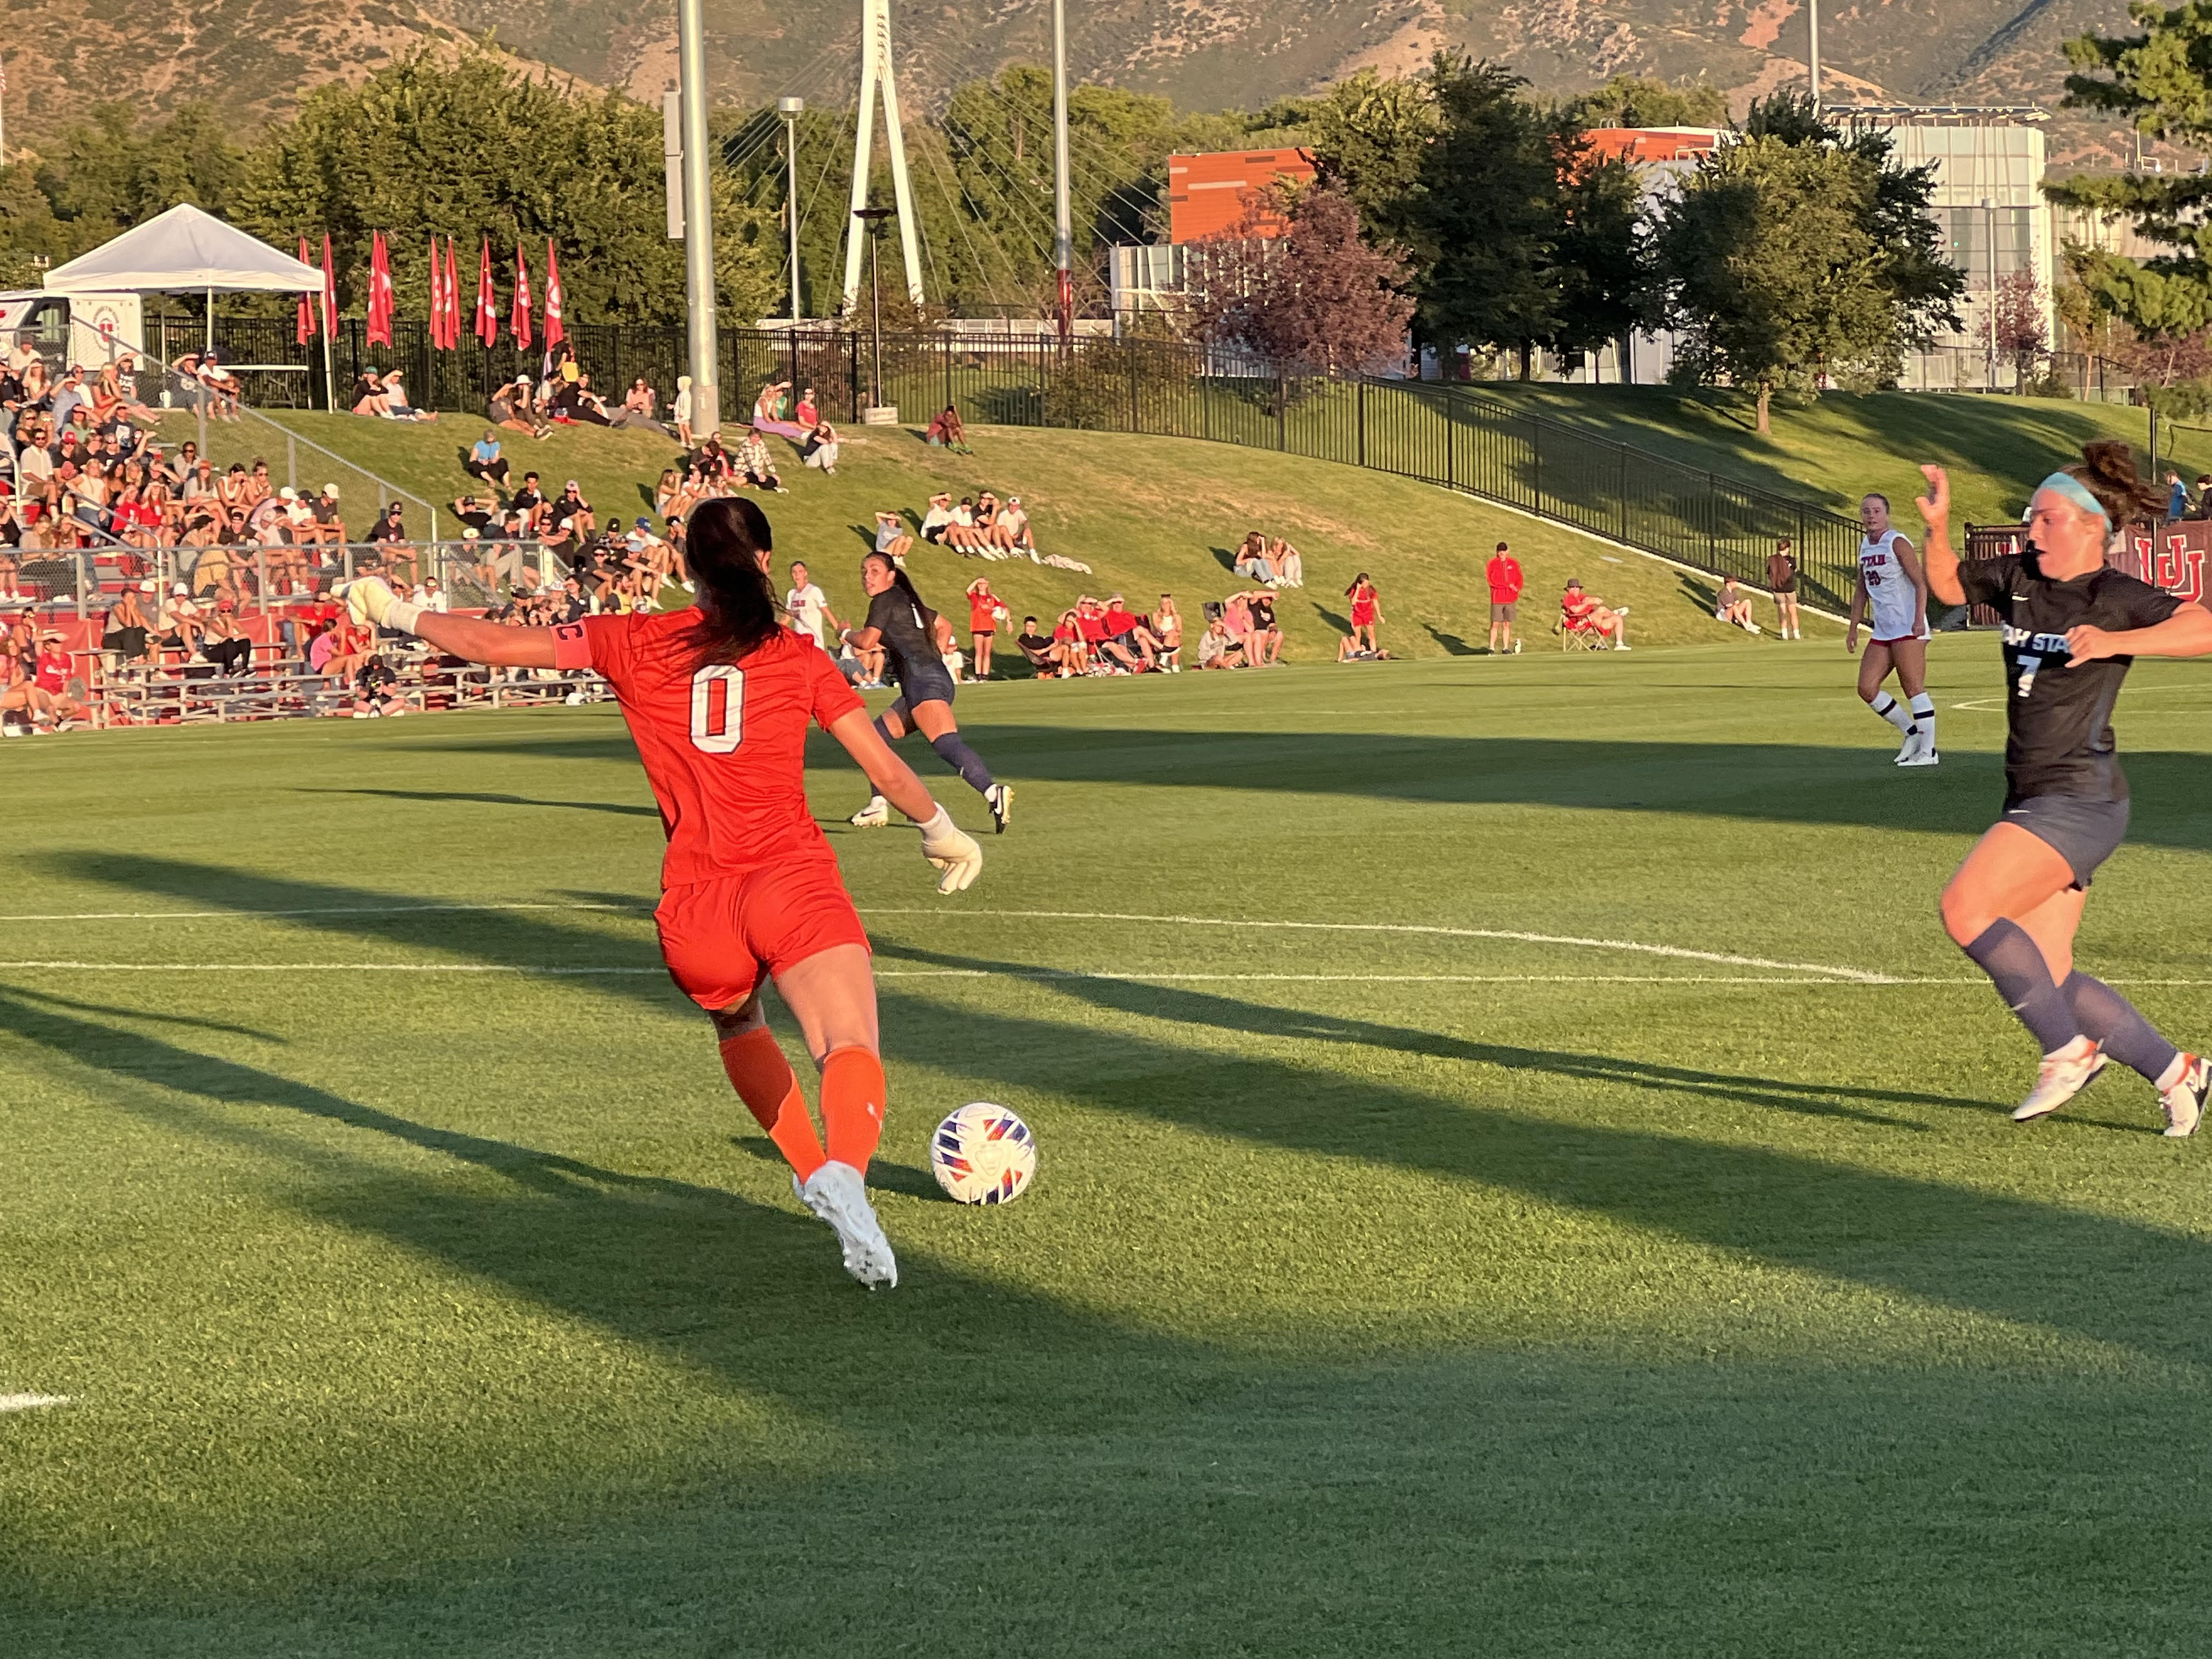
point(983, 1154)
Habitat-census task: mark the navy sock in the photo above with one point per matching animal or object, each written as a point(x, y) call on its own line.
point(2113, 1021)
point(955, 753)
point(884, 731)
point(2010, 958)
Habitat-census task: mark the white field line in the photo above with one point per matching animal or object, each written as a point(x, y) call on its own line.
point(1721, 959)
point(31, 1402)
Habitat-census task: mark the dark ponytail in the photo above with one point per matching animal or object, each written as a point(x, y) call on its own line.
point(2107, 471)
point(726, 542)
point(904, 583)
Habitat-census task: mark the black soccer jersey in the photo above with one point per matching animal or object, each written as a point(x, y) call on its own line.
point(904, 632)
point(2058, 720)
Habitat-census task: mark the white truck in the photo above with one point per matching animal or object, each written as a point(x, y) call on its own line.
point(91, 329)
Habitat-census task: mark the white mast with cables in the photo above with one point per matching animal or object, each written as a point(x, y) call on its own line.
point(876, 71)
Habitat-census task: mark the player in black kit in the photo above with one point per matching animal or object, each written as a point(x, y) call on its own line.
point(913, 640)
point(2072, 627)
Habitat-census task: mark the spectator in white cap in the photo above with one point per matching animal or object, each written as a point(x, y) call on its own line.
point(177, 624)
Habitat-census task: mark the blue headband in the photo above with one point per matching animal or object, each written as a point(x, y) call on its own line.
point(2075, 491)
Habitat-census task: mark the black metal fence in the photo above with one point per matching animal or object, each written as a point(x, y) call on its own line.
point(1453, 435)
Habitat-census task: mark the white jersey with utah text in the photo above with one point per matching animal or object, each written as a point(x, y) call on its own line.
point(1892, 600)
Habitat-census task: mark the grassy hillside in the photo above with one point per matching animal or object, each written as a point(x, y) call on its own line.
point(1149, 515)
point(1834, 448)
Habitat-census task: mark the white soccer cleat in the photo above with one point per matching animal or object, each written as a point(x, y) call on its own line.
point(837, 1194)
point(1000, 799)
point(1910, 747)
point(2063, 1075)
point(2185, 1101)
point(874, 816)
point(1925, 756)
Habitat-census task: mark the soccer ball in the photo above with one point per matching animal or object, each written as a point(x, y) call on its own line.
point(983, 1154)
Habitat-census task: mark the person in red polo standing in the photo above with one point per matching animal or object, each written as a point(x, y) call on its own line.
point(1505, 583)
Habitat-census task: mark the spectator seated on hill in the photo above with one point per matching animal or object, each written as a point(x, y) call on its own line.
point(1733, 606)
point(772, 412)
point(1128, 638)
point(485, 462)
point(1038, 649)
point(937, 522)
point(1218, 647)
point(515, 409)
point(1166, 623)
point(1011, 532)
point(1271, 563)
point(892, 540)
point(1074, 653)
point(946, 432)
point(1581, 612)
point(1263, 639)
point(820, 448)
point(751, 465)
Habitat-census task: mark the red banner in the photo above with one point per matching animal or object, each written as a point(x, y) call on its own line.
point(554, 332)
point(518, 323)
point(379, 292)
point(305, 327)
point(487, 329)
point(329, 290)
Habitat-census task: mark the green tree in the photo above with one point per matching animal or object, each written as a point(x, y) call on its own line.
point(1370, 138)
point(2159, 80)
point(1630, 100)
point(1606, 291)
point(1773, 273)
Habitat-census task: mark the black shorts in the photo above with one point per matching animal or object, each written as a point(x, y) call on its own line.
point(2085, 833)
point(922, 685)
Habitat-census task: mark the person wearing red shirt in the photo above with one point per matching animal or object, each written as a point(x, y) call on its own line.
point(983, 624)
point(718, 700)
point(1580, 611)
point(1503, 572)
point(51, 674)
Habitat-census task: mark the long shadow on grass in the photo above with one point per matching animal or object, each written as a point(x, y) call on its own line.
point(622, 808)
point(1775, 783)
point(2097, 1276)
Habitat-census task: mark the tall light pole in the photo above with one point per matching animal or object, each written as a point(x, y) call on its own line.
point(1063, 214)
point(876, 414)
point(698, 220)
point(1989, 234)
point(1813, 51)
point(790, 109)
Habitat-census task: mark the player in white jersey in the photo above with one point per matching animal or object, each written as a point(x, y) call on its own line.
point(1893, 587)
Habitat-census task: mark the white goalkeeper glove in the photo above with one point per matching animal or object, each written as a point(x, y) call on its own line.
point(368, 599)
point(952, 850)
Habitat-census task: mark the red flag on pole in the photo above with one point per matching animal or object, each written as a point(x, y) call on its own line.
point(452, 301)
point(306, 325)
point(486, 328)
point(519, 322)
point(329, 290)
point(379, 292)
point(554, 332)
point(437, 297)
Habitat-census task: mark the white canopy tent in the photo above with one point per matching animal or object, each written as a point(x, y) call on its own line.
point(185, 251)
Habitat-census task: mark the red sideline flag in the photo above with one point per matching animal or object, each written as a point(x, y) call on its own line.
point(486, 328)
point(306, 325)
point(329, 290)
point(379, 292)
point(554, 332)
point(437, 297)
point(519, 322)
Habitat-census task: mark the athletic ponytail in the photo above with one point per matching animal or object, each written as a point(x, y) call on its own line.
point(726, 543)
point(2107, 471)
point(904, 583)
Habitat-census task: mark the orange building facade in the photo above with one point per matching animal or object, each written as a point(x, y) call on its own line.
point(1208, 194)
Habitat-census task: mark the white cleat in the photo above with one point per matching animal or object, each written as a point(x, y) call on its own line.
point(1000, 799)
point(2063, 1075)
point(1922, 757)
point(837, 1194)
point(874, 816)
point(2185, 1101)
point(1912, 746)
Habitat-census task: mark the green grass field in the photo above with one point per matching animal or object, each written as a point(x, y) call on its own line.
point(1457, 1278)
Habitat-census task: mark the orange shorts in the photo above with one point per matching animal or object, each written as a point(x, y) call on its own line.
point(720, 939)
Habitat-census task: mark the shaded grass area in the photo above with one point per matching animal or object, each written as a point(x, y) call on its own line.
point(1835, 448)
point(1593, 1308)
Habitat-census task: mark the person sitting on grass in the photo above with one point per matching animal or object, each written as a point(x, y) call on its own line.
point(961, 535)
point(1074, 653)
point(1167, 627)
point(1011, 530)
point(1127, 635)
point(820, 448)
point(1578, 610)
point(946, 432)
point(753, 467)
point(892, 540)
point(484, 461)
point(1251, 560)
point(1733, 606)
point(937, 522)
point(1285, 564)
point(1043, 653)
point(1218, 647)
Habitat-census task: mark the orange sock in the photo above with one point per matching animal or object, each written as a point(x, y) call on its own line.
point(853, 1105)
point(764, 1081)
